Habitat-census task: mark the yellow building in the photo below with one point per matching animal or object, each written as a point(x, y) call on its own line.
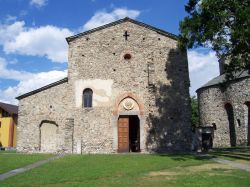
point(8, 123)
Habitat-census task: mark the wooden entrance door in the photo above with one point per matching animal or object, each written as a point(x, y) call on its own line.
point(123, 134)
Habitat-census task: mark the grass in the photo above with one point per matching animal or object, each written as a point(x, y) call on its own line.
point(10, 161)
point(131, 170)
point(7, 151)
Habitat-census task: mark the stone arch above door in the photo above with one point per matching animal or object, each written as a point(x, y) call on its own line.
point(48, 136)
point(133, 99)
point(128, 104)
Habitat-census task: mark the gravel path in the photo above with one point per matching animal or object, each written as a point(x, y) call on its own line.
point(28, 167)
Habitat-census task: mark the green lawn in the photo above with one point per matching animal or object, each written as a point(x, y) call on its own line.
point(7, 151)
point(10, 161)
point(131, 170)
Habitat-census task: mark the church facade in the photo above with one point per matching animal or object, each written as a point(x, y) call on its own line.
point(127, 90)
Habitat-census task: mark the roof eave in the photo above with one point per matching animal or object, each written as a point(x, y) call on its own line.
point(11, 109)
point(43, 88)
point(219, 83)
point(160, 31)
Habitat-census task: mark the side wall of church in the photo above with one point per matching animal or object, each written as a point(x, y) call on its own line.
point(212, 101)
point(50, 106)
point(157, 73)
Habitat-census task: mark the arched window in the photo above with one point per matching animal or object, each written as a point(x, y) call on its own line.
point(87, 98)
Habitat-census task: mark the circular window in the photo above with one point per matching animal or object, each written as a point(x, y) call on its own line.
point(127, 56)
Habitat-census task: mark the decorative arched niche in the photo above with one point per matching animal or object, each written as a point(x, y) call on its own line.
point(127, 98)
point(48, 136)
point(128, 104)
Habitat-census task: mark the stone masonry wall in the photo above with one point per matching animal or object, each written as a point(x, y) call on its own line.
point(157, 74)
point(99, 56)
point(212, 102)
point(49, 106)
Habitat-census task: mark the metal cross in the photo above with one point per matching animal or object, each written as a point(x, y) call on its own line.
point(126, 35)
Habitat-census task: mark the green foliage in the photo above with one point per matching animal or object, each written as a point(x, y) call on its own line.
point(223, 25)
point(195, 112)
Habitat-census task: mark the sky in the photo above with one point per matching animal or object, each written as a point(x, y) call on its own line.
point(33, 49)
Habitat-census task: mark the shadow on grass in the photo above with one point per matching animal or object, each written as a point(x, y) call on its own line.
point(234, 153)
point(184, 157)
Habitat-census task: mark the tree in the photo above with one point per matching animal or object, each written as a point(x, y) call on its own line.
point(223, 25)
point(195, 112)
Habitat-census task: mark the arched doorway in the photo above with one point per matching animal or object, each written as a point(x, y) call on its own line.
point(230, 117)
point(128, 124)
point(48, 136)
point(128, 134)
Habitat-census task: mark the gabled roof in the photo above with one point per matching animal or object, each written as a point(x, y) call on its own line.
point(11, 109)
point(165, 33)
point(43, 88)
point(222, 79)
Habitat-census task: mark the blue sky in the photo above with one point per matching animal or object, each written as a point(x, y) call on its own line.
point(33, 49)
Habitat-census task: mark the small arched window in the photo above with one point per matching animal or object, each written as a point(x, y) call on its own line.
point(87, 98)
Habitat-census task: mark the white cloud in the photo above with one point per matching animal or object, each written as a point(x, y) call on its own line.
point(48, 41)
point(38, 3)
point(27, 81)
point(10, 18)
point(103, 17)
point(198, 60)
point(7, 73)
point(36, 81)
point(9, 32)
point(202, 68)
